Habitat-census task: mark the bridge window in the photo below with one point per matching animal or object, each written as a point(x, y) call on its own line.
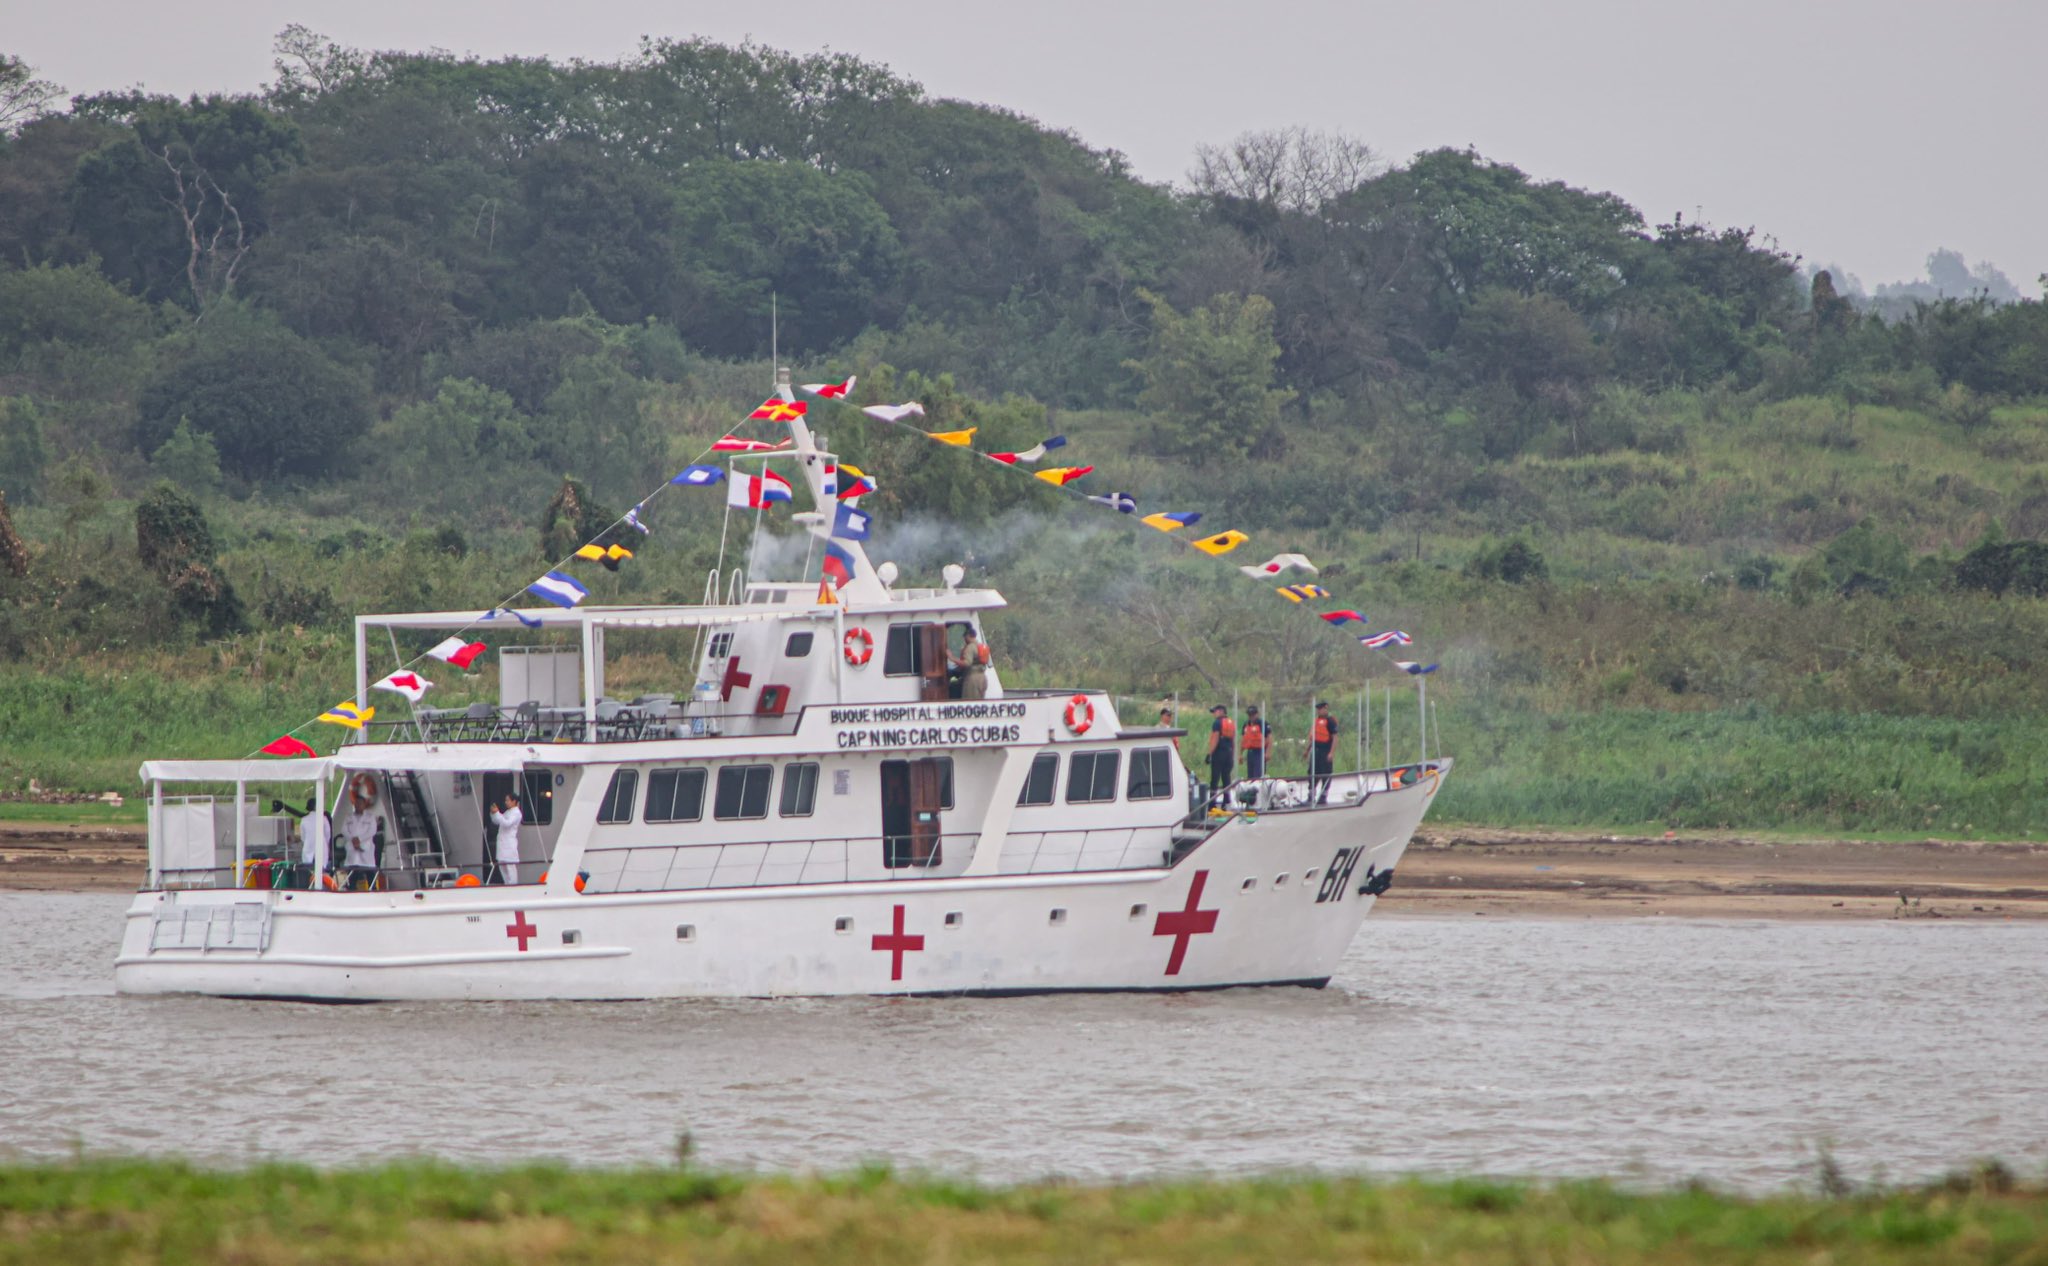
point(798, 646)
point(799, 789)
point(1151, 775)
point(904, 654)
point(538, 807)
point(721, 644)
point(675, 795)
point(743, 792)
point(618, 798)
point(1038, 784)
point(1091, 776)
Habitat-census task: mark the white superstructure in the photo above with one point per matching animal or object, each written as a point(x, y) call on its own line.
point(817, 813)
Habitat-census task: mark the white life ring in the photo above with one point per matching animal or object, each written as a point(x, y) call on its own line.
point(363, 789)
point(859, 645)
point(1080, 714)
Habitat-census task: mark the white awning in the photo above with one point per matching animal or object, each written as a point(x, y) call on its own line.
point(474, 758)
point(298, 769)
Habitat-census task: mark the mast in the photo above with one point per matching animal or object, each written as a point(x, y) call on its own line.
point(863, 584)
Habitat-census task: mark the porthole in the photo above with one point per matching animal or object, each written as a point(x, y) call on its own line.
point(953, 918)
point(842, 926)
point(1059, 916)
point(1138, 911)
point(686, 931)
point(1308, 876)
point(1248, 885)
point(1280, 880)
point(572, 937)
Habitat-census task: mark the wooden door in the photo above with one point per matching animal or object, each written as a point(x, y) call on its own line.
point(931, 661)
point(925, 799)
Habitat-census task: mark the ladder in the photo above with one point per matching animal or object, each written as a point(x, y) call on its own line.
point(419, 840)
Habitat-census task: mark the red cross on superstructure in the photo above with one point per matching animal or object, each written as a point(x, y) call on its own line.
point(734, 679)
point(1184, 923)
point(897, 943)
point(521, 929)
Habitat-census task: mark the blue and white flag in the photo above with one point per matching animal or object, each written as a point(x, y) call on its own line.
point(638, 524)
point(1121, 502)
point(1414, 669)
point(530, 621)
point(851, 523)
point(700, 476)
point(831, 480)
point(563, 591)
point(1392, 637)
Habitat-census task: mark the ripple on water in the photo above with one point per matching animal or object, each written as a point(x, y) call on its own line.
point(1654, 1050)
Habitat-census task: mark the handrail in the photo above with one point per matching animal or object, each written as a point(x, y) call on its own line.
point(603, 879)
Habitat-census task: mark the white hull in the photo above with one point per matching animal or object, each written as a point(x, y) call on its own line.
point(1267, 910)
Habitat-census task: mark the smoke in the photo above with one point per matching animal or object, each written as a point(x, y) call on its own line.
point(921, 545)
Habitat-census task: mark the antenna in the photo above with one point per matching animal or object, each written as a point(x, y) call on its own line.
point(774, 332)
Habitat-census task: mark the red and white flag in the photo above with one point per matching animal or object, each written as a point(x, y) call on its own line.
point(895, 412)
point(458, 652)
point(1279, 563)
point(757, 492)
point(831, 390)
point(408, 683)
point(734, 444)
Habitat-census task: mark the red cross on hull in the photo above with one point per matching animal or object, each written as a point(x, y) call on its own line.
point(897, 944)
point(521, 930)
point(1185, 922)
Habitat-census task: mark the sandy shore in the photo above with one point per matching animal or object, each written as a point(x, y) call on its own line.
point(1464, 871)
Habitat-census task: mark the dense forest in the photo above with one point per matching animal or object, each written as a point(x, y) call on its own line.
point(355, 340)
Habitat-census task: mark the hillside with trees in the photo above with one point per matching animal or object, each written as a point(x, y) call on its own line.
point(1698, 538)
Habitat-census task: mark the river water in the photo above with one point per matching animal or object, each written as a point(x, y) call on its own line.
point(1647, 1050)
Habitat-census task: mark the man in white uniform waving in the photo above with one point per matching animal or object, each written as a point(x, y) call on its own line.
point(507, 823)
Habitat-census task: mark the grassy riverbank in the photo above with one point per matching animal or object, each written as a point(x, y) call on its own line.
point(120, 1211)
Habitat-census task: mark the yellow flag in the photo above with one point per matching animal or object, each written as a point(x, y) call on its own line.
point(1221, 543)
point(959, 439)
point(826, 595)
point(347, 713)
point(1061, 476)
point(615, 553)
point(591, 552)
point(1166, 521)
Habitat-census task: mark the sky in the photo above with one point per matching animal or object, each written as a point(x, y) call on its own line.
point(1859, 134)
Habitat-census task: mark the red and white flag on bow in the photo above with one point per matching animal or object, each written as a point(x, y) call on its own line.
point(408, 683)
point(831, 390)
point(458, 652)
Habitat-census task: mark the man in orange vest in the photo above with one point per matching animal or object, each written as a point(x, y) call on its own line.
point(1222, 752)
point(1319, 768)
point(973, 665)
point(1254, 743)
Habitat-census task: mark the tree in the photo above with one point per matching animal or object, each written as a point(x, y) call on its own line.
point(22, 454)
point(23, 97)
point(274, 403)
point(1209, 377)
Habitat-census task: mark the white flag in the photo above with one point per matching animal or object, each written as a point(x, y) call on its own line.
point(408, 683)
point(1280, 563)
point(895, 412)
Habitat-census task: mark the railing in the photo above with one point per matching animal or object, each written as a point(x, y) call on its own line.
point(688, 867)
point(530, 723)
point(260, 873)
point(1068, 852)
point(1295, 794)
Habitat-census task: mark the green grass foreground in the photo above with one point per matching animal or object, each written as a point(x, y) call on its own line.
point(132, 1210)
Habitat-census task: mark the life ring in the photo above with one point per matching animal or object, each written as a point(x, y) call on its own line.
point(363, 790)
point(1080, 714)
point(859, 645)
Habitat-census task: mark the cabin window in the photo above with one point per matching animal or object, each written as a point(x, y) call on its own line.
point(721, 644)
point(1091, 776)
point(743, 791)
point(1039, 783)
point(675, 795)
point(538, 806)
point(1151, 775)
point(618, 798)
point(944, 764)
point(903, 657)
point(798, 645)
point(799, 789)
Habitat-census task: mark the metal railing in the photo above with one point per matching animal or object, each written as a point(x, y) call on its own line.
point(531, 723)
point(688, 867)
point(283, 874)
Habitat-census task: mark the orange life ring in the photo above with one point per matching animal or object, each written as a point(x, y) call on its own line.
point(1080, 714)
point(363, 788)
point(859, 645)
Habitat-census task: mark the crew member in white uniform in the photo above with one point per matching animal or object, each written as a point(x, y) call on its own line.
point(508, 839)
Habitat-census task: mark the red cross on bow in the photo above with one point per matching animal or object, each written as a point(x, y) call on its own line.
point(521, 929)
point(734, 679)
point(1184, 923)
point(896, 943)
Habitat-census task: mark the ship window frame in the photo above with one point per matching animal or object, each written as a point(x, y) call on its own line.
point(1050, 762)
point(900, 646)
point(616, 809)
point(1161, 775)
point(721, 644)
point(537, 796)
point(806, 789)
point(1093, 763)
point(745, 784)
point(681, 774)
point(798, 645)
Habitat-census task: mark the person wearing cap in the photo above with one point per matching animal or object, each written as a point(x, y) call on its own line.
point(1222, 751)
point(1319, 768)
point(1254, 743)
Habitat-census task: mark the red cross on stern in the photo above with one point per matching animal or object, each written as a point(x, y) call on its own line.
point(734, 679)
point(1184, 923)
point(897, 943)
point(521, 929)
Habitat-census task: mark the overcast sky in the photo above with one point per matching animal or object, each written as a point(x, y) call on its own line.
point(1859, 134)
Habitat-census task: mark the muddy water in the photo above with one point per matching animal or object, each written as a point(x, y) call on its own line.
point(1644, 1049)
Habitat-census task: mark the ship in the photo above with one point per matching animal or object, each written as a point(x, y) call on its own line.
point(815, 812)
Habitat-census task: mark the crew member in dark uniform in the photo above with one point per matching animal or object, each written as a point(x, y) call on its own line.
point(1222, 752)
point(1319, 768)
